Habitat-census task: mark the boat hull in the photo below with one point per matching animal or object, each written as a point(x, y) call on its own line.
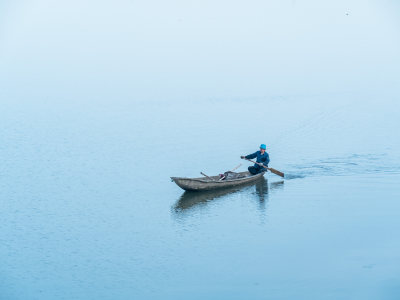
point(205, 184)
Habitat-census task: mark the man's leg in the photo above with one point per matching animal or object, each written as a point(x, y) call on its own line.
point(253, 170)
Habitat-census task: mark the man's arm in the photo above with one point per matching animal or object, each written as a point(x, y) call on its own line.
point(250, 156)
point(266, 162)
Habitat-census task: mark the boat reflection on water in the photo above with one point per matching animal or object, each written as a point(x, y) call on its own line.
point(190, 200)
point(277, 185)
point(262, 191)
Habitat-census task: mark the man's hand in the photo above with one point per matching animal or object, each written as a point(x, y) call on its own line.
point(261, 165)
point(242, 157)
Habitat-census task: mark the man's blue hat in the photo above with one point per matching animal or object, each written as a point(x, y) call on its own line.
point(262, 146)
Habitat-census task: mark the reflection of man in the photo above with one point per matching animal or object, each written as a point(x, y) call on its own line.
point(262, 159)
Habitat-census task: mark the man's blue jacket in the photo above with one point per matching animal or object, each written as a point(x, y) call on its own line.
point(261, 158)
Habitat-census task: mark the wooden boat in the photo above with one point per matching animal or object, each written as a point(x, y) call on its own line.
point(190, 199)
point(213, 182)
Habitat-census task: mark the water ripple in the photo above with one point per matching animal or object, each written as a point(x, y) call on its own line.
point(346, 165)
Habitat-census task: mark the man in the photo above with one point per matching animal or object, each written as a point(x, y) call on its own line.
point(262, 159)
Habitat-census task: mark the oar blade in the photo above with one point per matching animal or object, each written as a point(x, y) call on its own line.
point(272, 170)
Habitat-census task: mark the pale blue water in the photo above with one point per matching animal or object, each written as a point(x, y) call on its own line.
point(95, 117)
point(89, 212)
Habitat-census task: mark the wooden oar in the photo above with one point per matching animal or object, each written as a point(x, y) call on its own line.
point(235, 168)
point(272, 170)
point(206, 176)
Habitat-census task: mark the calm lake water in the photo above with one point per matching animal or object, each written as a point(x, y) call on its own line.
point(101, 104)
point(89, 211)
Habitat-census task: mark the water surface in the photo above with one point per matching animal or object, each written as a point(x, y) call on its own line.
point(101, 104)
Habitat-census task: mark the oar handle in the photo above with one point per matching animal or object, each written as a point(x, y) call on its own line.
point(236, 167)
point(257, 163)
point(206, 176)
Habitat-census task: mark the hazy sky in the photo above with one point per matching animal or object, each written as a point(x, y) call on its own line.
point(197, 49)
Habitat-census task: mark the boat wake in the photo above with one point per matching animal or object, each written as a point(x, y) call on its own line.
point(347, 165)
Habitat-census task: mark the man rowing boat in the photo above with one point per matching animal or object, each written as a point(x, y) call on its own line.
point(262, 159)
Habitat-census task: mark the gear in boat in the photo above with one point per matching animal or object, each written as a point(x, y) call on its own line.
point(231, 175)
